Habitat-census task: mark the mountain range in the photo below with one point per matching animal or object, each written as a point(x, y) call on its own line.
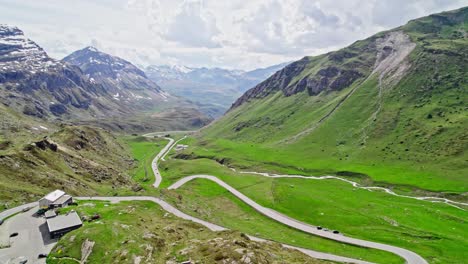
point(213, 89)
point(88, 86)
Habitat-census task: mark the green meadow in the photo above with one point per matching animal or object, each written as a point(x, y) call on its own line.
point(144, 150)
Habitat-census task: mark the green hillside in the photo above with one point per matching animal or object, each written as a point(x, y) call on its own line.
point(44, 156)
point(391, 108)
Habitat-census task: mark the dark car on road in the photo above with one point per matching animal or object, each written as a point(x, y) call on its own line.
point(42, 256)
point(336, 232)
point(14, 234)
point(41, 212)
point(1, 221)
point(319, 227)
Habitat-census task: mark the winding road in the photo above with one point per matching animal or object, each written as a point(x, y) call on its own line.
point(409, 256)
point(154, 164)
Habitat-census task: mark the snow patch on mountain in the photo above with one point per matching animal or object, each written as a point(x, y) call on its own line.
point(21, 53)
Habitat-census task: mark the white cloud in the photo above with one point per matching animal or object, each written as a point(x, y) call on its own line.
point(193, 26)
point(234, 33)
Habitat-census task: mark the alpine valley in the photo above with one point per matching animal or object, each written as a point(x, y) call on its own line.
point(358, 155)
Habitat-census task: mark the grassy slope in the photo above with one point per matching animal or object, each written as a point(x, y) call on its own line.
point(142, 229)
point(144, 150)
point(89, 161)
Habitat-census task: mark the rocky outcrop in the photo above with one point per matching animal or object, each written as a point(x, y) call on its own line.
point(278, 81)
point(45, 144)
point(332, 78)
point(86, 250)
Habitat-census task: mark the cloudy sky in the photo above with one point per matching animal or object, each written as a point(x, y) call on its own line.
point(214, 33)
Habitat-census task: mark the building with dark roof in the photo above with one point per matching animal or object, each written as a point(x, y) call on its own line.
point(62, 224)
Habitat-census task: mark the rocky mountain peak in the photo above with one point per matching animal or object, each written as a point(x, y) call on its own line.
point(123, 80)
point(19, 53)
point(6, 30)
point(98, 64)
point(91, 49)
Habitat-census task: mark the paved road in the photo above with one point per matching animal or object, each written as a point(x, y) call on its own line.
point(16, 210)
point(161, 155)
point(154, 164)
point(167, 207)
point(159, 134)
point(409, 256)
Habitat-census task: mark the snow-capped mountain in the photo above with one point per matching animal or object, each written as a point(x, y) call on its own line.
point(35, 84)
point(217, 76)
point(214, 88)
point(123, 80)
point(166, 72)
point(19, 52)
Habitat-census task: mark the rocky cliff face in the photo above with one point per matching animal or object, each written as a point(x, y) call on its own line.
point(333, 71)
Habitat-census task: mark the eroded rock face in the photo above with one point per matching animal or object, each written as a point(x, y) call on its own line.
point(330, 78)
point(392, 51)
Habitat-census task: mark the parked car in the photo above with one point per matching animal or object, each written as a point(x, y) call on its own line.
point(319, 227)
point(336, 232)
point(42, 255)
point(26, 209)
point(41, 211)
point(14, 234)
